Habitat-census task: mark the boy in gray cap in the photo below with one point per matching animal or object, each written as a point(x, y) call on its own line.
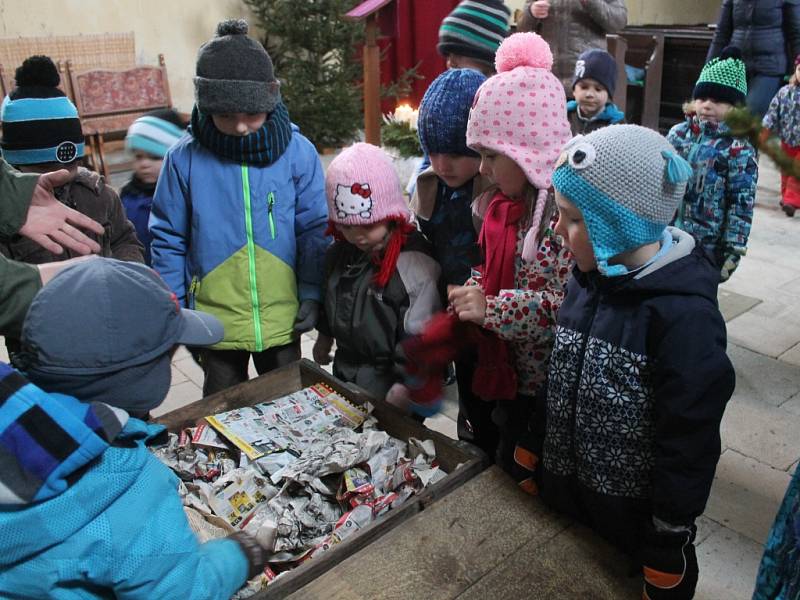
point(85, 509)
point(239, 213)
point(638, 379)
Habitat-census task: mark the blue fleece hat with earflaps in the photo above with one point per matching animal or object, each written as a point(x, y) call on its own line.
point(627, 181)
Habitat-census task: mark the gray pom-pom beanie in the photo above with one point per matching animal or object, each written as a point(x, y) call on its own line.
point(234, 73)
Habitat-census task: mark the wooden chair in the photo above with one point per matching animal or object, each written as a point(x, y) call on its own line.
point(640, 104)
point(109, 101)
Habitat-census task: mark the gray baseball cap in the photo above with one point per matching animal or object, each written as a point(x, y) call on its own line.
point(103, 330)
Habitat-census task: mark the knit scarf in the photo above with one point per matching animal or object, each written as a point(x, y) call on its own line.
point(498, 241)
point(260, 148)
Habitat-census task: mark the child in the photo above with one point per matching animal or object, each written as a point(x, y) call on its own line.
point(638, 378)
point(85, 509)
point(42, 134)
point(238, 217)
point(593, 86)
point(783, 119)
point(718, 206)
point(442, 204)
point(380, 277)
point(518, 124)
point(470, 35)
point(148, 138)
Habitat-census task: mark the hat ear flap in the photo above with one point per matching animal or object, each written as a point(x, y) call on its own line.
point(677, 169)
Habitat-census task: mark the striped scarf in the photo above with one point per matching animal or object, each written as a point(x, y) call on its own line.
point(261, 148)
point(47, 440)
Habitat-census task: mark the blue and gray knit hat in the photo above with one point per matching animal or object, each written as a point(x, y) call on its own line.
point(444, 112)
point(475, 29)
point(40, 124)
point(627, 181)
point(155, 132)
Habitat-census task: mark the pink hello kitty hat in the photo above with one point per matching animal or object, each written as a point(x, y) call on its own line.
point(521, 112)
point(362, 187)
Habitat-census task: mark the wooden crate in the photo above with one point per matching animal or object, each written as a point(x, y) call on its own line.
point(459, 460)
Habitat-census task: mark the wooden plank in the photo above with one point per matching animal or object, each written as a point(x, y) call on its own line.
point(444, 550)
point(366, 9)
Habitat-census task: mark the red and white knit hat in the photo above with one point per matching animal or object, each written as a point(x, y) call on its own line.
point(362, 187)
point(521, 112)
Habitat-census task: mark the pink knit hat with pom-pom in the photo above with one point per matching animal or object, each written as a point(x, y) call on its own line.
point(521, 112)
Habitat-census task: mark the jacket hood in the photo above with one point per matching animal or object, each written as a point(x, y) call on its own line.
point(610, 113)
point(47, 443)
point(686, 269)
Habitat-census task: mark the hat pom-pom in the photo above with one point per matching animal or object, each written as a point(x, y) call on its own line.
point(232, 27)
point(677, 170)
point(37, 70)
point(731, 52)
point(523, 50)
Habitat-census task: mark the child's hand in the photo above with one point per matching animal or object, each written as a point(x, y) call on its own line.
point(399, 396)
point(322, 349)
point(469, 302)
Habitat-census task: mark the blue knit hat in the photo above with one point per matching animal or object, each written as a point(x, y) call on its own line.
point(598, 65)
point(627, 181)
point(155, 132)
point(40, 124)
point(444, 112)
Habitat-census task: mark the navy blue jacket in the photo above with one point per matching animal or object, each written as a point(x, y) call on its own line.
point(638, 383)
point(767, 31)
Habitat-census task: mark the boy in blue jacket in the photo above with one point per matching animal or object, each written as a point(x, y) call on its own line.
point(593, 86)
point(86, 510)
point(239, 214)
point(638, 379)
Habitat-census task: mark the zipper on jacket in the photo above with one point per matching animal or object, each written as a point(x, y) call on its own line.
point(270, 206)
point(251, 258)
point(193, 291)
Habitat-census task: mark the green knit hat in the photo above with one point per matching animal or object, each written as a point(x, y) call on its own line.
point(724, 78)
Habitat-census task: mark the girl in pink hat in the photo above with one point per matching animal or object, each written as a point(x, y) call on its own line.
point(518, 124)
point(380, 278)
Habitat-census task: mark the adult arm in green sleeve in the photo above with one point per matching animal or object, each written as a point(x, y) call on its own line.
point(16, 192)
point(18, 285)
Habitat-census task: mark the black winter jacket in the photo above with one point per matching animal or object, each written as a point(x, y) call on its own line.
point(369, 324)
point(767, 32)
point(638, 383)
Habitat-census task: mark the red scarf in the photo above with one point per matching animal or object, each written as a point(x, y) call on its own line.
point(498, 241)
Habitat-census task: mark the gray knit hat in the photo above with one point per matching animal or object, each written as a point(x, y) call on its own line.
point(234, 73)
point(627, 181)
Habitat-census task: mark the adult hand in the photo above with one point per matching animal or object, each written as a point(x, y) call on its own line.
point(307, 316)
point(321, 352)
point(399, 396)
point(49, 270)
point(469, 303)
point(53, 225)
point(540, 9)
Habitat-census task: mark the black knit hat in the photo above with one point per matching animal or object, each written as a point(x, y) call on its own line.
point(598, 65)
point(235, 73)
point(475, 29)
point(40, 124)
point(724, 78)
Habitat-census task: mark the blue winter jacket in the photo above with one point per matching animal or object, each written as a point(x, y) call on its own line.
point(767, 32)
point(242, 242)
point(637, 385)
point(86, 511)
point(717, 208)
point(137, 208)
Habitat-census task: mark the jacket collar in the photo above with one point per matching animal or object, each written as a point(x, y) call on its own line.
point(424, 198)
point(610, 113)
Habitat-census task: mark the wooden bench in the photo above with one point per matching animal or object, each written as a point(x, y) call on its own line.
point(109, 101)
point(640, 104)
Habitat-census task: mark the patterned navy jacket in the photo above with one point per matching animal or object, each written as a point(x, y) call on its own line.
point(718, 206)
point(638, 383)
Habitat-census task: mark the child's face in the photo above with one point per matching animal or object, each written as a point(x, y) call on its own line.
point(457, 61)
point(146, 167)
point(504, 172)
point(572, 229)
point(454, 169)
point(591, 96)
point(367, 238)
point(239, 124)
point(711, 110)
